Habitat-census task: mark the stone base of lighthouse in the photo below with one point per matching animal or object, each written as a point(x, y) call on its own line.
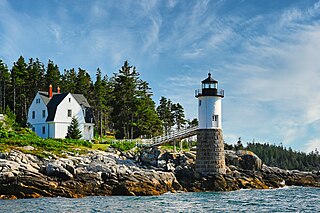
point(210, 156)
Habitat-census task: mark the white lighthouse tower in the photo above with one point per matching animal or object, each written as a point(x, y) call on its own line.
point(209, 104)
point(210, 145)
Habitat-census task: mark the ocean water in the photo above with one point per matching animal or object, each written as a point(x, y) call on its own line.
point(287, 199)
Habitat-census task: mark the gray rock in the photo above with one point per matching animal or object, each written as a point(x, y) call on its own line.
point(52, 169)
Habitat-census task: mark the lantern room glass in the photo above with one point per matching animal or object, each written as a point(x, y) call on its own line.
point(210, 86)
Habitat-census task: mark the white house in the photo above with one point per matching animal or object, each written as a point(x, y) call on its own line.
point(50, 114)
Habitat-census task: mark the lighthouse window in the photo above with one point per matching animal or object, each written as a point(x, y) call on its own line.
point(215, 117)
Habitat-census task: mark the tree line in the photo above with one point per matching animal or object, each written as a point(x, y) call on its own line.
point(284, 158)
point(122, 103)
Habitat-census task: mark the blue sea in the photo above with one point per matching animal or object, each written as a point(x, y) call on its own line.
point(287, 199)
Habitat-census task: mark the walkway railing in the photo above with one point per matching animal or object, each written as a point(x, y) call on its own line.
point(173, 135)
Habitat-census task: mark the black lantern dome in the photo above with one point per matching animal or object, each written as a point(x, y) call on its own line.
point(209, 88)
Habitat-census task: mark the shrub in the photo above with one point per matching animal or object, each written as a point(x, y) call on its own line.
point(123, 145)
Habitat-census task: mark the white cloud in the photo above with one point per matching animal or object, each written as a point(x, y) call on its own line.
point(312, 144)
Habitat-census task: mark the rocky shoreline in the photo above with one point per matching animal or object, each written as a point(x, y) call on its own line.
point(137, 172)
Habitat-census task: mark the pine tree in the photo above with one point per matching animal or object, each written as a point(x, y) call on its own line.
point(4, 82)
point(35, 81)
point(123, 96)
point(165, 114)
point(53, 75)
point(20, 76)
point(99, 100)
point(83, 83)
point(133, 110)
point(73, 130)
point(68, 81)
point(193, 123)
point(147, 120)
point(178, 114)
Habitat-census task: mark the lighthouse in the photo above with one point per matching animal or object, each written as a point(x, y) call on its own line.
point(210, 156)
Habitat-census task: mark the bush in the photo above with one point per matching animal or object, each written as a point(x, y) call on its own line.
point(123, 145)
point(77, 142)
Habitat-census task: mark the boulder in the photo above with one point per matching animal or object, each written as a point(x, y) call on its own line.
point(249, 161)
point(53, 169)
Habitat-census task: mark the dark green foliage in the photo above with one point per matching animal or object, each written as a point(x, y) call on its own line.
point(20, 76)
point(25, 137)
point(122, 104)
point(282, 157)
point(165, 114)
point(239, 145)
point(68, 81)
point(73, 130)
point(178, 115)
point(123, 146)
point(53, 75)
point(193, 123)
point(4, 82)
point(171, 115)
point(133, 112)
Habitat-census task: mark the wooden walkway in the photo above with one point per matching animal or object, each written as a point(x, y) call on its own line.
point(173, 135)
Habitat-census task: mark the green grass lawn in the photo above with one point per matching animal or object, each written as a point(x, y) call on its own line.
point(101, 147)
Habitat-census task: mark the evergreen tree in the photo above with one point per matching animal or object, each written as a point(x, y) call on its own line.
point(83, 83)
point(124, 94)
point(35, 81)
point(178, 115)
point(4, 82)
point(165, 114)
point(239, 145)
point(73, 130)
point(99, 101)
point(147, 120)
point(68, 81)
point(193, 123)
point(20, 76)
point(133, 111)
point(53, 75)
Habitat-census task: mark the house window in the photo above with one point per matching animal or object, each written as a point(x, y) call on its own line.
point(43, 113)
point(69, 99)
point(69, 113)
point(43, 130)
point(199, 102)
point(33, 114)
point(33, 129)
point(37, 100)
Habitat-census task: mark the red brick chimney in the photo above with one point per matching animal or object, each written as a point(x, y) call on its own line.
point(50, 91)
point(58, 90)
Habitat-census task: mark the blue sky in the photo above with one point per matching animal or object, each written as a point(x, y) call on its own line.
point(265, 54)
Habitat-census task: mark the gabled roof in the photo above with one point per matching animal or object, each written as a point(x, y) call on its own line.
point(45, 96)
point(57, 98)
point(53, 104)
point(81, 99)
point(209, 79)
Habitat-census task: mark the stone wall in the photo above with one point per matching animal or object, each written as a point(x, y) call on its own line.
point(210, 152)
